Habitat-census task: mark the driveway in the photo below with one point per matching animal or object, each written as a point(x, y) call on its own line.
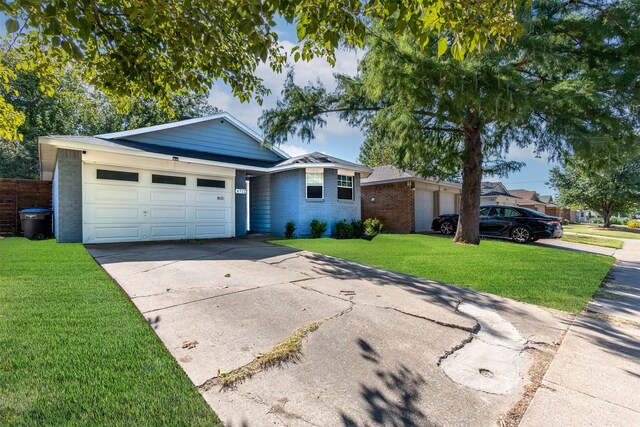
point(390, 350)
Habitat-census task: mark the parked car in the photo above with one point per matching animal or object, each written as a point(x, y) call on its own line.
point(519, 224)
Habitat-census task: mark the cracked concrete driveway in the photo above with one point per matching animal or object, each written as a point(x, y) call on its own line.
point(391, 350)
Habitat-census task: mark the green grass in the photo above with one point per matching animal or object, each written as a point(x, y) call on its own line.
point(559, 279)
point(75, 351)
point(594, 230)
point(596, 241)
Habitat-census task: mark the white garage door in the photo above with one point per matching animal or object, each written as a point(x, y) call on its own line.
point(447, 203)
point(126, 205)
point(424, 209)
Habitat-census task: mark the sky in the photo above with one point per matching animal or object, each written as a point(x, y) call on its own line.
point(337, 138)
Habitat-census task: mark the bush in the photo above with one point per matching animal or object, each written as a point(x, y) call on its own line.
point(617, 221)
point(372, 227)
point(634, 223)
point(357, 226)
point(289, 230)
point(596, 220)
point(318, 228)
point(344, 230)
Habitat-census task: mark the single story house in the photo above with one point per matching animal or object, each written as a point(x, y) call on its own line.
point(556, 210)
point(495, 193)
point(207, 177)
point(529, 199)
point(406, 202)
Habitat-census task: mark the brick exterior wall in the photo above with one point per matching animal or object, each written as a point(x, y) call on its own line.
point(67, 197)
point(394, 205)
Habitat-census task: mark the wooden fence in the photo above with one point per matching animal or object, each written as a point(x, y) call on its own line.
point(18, 194)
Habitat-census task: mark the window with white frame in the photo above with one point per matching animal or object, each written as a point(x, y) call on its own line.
point(345, 187)
point(315, 184)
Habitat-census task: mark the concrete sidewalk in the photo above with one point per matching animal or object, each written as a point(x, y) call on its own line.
point(595, 376)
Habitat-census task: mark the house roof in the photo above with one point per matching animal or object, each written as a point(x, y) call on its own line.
point(318, 159)
point(494, 189)
point(527, 196)
point(389, 173)
point(547, 199)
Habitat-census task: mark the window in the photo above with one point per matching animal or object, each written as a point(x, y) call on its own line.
point(315, 182)
point(484, 211)
point(345, 187)
point(213, 183)
point(167, 179)
point(117, 175)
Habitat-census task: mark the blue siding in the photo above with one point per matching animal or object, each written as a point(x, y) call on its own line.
point(286, 196)
point(260, 204)
point(217, 136)
point(288, 202)
point(241, 204)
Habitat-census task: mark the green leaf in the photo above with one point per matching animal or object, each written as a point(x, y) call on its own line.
point(442, 46)
point(12, 25)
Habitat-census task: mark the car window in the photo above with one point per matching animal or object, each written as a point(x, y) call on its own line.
point(484, 211)
point(510, 213)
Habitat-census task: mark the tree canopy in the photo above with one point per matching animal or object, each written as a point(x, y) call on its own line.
point(158, 49)
point(610, 190)
point(75, 108)
point(569, 85)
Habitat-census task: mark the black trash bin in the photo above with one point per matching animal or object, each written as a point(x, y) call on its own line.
point(36, 223)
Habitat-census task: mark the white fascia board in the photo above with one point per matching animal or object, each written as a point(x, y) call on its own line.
point(404, 179)
point(224, 115)
point(71, 145)
point(362, 169)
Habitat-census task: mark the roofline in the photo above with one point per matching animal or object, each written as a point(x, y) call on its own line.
point(235, 122)
point(71, 145)
point(79, 146)
point(413, 178)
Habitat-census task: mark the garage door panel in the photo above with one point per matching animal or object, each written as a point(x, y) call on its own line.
point(118, 211)
point(163, 196)
point(117, 231)
point(211, 215)
point(164, 214)
point(447, 203)
point(211, 231)
point(423, 210)
point(169, 232)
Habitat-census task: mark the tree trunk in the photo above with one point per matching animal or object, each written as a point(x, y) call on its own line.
point(607, 220)
point(469, 222)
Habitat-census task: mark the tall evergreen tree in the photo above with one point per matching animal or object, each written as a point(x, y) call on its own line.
point(570, 85)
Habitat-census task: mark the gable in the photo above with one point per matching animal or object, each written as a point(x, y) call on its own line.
point(213, 136)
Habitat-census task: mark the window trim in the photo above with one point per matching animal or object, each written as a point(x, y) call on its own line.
point(124, 173)
point(350, 178)
point(200, 181)
point(153, 175)
point(306, 188)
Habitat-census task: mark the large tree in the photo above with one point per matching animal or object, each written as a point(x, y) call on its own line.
point(568, 86)
point(75, 108)
point(157, 49)
point(607, 190)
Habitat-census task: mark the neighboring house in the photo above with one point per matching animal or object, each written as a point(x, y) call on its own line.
point(529, 199)
point(556, 210)
point(495, 193)
point(406, 202)
point(208, 177)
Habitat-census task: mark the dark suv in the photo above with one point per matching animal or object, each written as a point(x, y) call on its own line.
point(519, 224)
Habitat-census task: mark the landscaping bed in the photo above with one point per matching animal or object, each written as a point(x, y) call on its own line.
point(75, 351)
point(554, 278)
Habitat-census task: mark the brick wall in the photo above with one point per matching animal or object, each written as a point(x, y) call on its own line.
point(18, 194)
point(393, 205)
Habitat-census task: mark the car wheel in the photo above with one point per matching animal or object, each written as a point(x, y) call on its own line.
point(521, 235)
point(446, 228)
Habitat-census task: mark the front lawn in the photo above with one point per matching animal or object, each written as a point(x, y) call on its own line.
point(75, 351)
point(594, 230)
point(596, 241)
point(554, 278)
